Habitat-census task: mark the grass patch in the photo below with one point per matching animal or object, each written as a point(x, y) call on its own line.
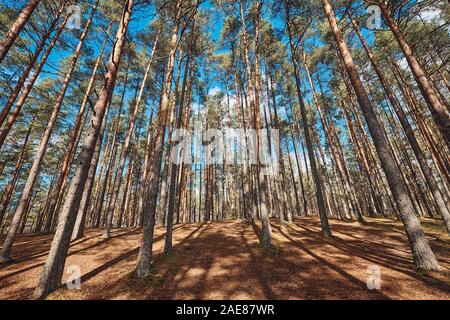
point(152, 281)
point(272, 252)
point(434, 226)
point(62, 293)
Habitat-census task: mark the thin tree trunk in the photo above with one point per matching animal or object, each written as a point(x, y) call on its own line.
point(326, 231)
point(147, 155)
point(438, 111)
point(65, 168)
point(17, 27)
point(144, 261)
point(20, 83)
point(21, 101)
point(126, 145)
point(78, 231)
point(174, 171)
point(34, 172)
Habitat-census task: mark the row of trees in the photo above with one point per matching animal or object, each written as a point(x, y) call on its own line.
point(88, 141)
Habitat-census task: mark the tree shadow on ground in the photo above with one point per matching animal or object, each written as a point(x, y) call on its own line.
point(223, 260)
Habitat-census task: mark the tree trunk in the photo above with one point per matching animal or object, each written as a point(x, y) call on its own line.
point(147, 155)
point(438, 111)
point(78, 231)
point(144, 261)
point(65, 168)
point(34, 171)
point(20, 83)
point(126, 145)
point(424, 257)
point(175, 167)
point(326, 231)
point(21, 101)
point(54, 266)
point(17, 27)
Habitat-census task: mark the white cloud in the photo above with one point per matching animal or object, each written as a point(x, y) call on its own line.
point(232, 99)
point(195, 109)
point(214, 91)
point(282, 112)
point(430, 15)
point(403, 63)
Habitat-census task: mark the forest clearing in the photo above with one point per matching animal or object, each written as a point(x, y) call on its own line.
point(225, 149)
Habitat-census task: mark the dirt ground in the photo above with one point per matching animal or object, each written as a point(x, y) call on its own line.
point(223, 260)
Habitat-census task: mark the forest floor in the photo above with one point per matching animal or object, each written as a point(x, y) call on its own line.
point(223, 260)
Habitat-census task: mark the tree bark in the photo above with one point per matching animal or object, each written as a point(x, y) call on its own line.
point(17, 27)
point(144, 261)
point(326, 231)
point(21, 101)
point(54, 266)
point(34, 171)
point(424, 257)
point(438, 111)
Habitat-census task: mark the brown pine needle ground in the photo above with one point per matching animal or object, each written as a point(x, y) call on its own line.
point(223, 260)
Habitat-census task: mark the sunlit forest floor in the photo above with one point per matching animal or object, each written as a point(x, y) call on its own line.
point(223, 260)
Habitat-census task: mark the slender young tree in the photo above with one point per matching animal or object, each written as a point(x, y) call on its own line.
point(326, 231)
point(65, 167)
point(128, 136)
point(144, 261)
